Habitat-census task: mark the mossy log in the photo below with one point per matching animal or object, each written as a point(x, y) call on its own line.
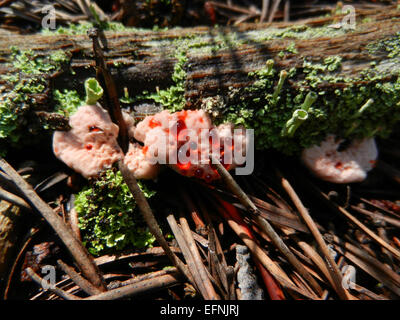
point(225, 70)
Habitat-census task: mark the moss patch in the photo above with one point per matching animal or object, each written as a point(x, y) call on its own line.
point(108, 216)
point(28, 80)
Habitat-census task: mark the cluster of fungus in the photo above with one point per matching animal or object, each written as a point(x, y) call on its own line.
point(183, 140)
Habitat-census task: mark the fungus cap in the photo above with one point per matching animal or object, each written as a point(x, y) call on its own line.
point(137, 162)
point(91, 144)
point(328, 163)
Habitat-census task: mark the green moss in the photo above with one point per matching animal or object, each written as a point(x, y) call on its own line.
point(108, 216)
point(28, 78)
point(333, 111)
point(82, 28)
point(172, 97)
point(67, 101)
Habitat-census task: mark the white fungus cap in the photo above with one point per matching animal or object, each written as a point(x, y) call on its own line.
point(136, 161)
point(347, 166)
point(91, 144)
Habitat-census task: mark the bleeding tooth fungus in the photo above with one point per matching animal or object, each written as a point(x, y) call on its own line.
point(183, 140)
point(327, 162)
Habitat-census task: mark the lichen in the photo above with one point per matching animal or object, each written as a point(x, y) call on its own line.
point(28, 78)
point(82, 28)
point(67, 101)
point(172, 97)
point(108, 216)
point(334, 111)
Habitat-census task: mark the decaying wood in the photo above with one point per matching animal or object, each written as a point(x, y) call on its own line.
point(147, 58)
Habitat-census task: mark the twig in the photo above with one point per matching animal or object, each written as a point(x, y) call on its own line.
point(197, 259)
point(200, 226)
point(61, 293)
point(374, 215)
point(286, 11)
point(150, 275)
point(332, 267)
point(367, 292)
point(78, 279)
point(275, 6)
point(316, 259)
point(371, 260)
point(381, 277)
point(14, 199)
point(364, 228)
point(150, 219)
point(216, 253)
point(138, 288)
point(82, 257)
point(198, 283)
point(264, 10)
point(111, 94)
point(265, 225)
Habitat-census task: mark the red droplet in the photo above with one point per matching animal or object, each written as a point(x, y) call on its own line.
point(153, 123)
point(94, 129)
point(339, 165)
point(88, 147)
point(184, 166)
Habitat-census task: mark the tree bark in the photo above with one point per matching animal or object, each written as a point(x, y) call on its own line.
point(147, 58)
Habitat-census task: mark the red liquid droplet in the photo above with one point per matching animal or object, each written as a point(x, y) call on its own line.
point(339, 165)
point(153, 123)
point(88, 147)
point(94, 129)
point(183, 166)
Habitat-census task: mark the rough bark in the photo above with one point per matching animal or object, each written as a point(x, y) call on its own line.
point(147, 58)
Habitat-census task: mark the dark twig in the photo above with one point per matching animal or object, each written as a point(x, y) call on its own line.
point(12, 198)
point(178, 234)
point(150, 219)
point(197, 259)
point(364, 228)
point(82, 257)
point(110, 92)
point(332, 267)
point(265, 225)
point(78, 279)
point(139, 288)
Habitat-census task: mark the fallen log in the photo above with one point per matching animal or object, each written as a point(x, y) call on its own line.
point(233, 73)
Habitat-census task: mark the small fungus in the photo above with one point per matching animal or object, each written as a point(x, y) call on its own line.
point(328, 163)
point(91, 144)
